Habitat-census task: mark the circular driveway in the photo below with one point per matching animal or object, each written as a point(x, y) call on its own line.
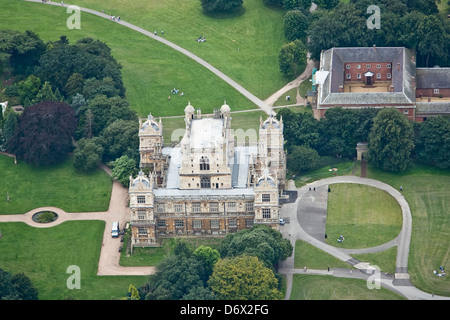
point(307, 218)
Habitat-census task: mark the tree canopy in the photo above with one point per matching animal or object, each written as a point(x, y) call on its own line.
point(413, 24)
point(292, 58)
point(244, 278)
point(44, 134)
point(261, 241)
point(391, 141)
point(243, 267)
point(16, 287)
point(433, 142)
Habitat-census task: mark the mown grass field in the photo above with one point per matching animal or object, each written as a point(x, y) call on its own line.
point(59, 186)
point(44, 254)
point(364, 215)
point(244, 46)
point(427, 191)
point(316, 287)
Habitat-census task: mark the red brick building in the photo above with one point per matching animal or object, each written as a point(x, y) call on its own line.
point(373, 77)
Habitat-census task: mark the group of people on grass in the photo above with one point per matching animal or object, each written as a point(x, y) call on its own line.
point(201, 39)
point(176, 91)
point(439, 273)
point(341, 239)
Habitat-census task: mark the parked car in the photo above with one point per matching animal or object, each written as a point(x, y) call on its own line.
point(282, 221)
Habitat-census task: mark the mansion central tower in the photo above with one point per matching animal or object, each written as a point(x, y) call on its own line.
point(216, 180)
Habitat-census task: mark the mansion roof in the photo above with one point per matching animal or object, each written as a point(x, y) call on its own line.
point(239, 169)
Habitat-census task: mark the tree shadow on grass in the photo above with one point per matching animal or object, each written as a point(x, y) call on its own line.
point(229, 14)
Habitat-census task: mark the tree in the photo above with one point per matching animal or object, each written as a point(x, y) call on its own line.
point(302, 159)
point(175, 277)
point(433, 39)
point(10, 122)
point(121, 138)
point(300, 128)
point(88, 154)
point(88, 58)
point(123, 168)
point(220, 5)
point(295, 25)
point(24, 287)
point(44, 133)
point(45, 94)
point(133, 293)
point(28, 89)
point(21, 50)
point(78, 102)
point(207, 256)
point(104, 112)
point(292, 58)
point(391, 141)
point(410, 22)
point(244, 278)
point(428, 7)
point(345, 26)
point(93, 87)
point(326, 4)
point(261, 241)
point(296, 4)
point(16, 287)
point(74, 85)
point(433, 142)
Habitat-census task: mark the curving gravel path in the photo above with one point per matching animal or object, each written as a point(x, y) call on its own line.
point(261, 104)
point(305, 229)
point(108, 264)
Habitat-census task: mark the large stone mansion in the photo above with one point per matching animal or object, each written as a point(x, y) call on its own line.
point(211, 183)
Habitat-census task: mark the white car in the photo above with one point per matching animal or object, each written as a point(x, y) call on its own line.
point(282, 221)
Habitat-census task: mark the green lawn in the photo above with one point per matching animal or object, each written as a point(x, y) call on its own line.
point(427, 191)
point(44, 254)
point(151, 69)
point(244, 45)
point(306, 255)
point(364, 215)
point(59, 186)
point(316, 287)
point(344, 166)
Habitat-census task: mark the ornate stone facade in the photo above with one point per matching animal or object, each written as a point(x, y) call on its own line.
point(207, 184)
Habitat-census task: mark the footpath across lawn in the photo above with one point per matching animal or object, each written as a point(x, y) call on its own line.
point(427, 190)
